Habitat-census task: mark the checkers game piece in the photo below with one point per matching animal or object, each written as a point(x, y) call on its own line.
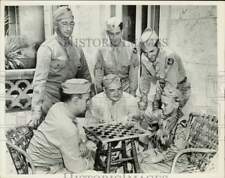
point(114, 132)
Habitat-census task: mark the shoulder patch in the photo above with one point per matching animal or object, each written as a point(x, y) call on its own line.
point(170, 61)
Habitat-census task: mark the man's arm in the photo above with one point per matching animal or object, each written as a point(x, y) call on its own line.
point(145, 82)
point(70, 151)
point(83, 72)
point(133, 73)
point(65, 135)
point(99, 71)
point(184, 86)
point(93, 115)
point(39, 82)
point(181, 68)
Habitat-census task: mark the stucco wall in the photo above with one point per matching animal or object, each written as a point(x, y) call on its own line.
point(31, 21)
point(89, 30)
point(191, 32)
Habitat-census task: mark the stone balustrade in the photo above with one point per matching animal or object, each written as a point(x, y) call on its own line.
point(18, 86)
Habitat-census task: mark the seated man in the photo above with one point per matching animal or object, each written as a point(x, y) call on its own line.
point(170, 134)
point(57, 144)
point(112, 105)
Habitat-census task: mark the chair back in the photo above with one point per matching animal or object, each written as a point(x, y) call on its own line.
point(203, 133)
point(17, 142)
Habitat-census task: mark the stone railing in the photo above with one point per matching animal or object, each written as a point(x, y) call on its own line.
point(18, 86)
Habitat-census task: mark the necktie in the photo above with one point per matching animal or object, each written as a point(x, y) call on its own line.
point(73, 60)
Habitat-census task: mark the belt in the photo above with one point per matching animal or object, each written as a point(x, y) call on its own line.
point(183, 81)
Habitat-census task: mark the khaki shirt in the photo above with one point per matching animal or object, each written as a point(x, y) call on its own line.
point(168, 65)
point(103, 110)
point(57, 61)
point(121, 60)
point(56, 142)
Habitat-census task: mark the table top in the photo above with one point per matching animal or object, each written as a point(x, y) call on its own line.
point(114, 132)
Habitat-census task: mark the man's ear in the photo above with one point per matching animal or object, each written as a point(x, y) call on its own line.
point(55, 26)
point(74, 98)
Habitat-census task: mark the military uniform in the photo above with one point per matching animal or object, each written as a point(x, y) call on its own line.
point(58, 59)
point(56, 143)
point(174, 134)
point(168, 66)
point(50, 148)
point(121, 60)
point(170, 136)
point(54, 66)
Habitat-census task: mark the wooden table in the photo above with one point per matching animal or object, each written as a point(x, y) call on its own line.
point(108, 136)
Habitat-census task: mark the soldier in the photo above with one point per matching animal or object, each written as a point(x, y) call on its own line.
point(58, 144)
point(119, 57)
point(161, 66)
point(171, 134)
point(58, 59)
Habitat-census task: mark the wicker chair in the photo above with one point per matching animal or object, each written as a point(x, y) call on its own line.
point(17, 142)
point(202, 142)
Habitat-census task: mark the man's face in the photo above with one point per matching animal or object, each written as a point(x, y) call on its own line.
point(114, 92)
point(152, 53)
point(65, 27)
point(80, 103)
point(115, 37)
point(168, 106)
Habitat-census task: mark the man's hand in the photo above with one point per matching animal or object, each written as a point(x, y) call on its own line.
point(130, 121)
point(133, 92)
point(83, 149)
point(163, 136)
point(143, 103)
point(35, 122)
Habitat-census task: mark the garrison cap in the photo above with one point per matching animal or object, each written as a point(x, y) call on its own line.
point(76, 86)
point(112, 24)
point(148, 39)
point(62, 13)
point(171, 93)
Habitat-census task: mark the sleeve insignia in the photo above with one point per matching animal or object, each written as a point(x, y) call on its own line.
point(170, 61)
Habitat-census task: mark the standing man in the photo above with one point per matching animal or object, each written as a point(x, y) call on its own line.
point(119, 57)
point(58, 59)
point(161, 66)
point(58, 144)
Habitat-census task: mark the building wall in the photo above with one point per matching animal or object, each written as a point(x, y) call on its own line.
point(89, 30)
point(191, 32)
point(31, 23)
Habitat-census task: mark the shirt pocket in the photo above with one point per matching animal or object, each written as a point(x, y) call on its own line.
point(57, 65)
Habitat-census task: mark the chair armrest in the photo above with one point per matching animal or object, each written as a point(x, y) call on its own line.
point(189, 150)
point(9, 144)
